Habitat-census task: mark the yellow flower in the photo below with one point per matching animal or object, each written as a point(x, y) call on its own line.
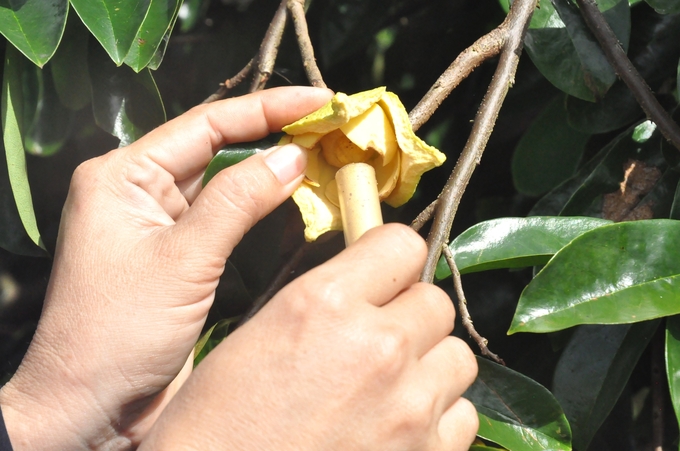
point(370, 127)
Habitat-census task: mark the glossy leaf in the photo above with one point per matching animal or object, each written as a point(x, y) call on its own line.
point(12, 134)
point(513, 242)
point(34, 27)
point(615, 274)
point(565, 51)
point(654, 54)
point(69, 66)
point(153, 34)
point(234, 154)
point(589, 379)
point(673, 361)
point(517, 412)
point(114, 23)
point(548, 153)
point(191, 12)
point(50, 125)
point(126, 104)
point(583, 193)
point(665, 6)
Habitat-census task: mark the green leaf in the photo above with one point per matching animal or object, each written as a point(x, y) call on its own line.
point(653, 53)
point(513, 242)
point(517, 412)
point(548, 153)
point(50, 125)
point(153, 34)
point(191, 12)
point(589, 379)
point(126, 104)
point(565, 51)
point(615, 274)
point(69, 66)
point(34, 27)
point(582, 195)
point(12, 134)
point(673, 361)
point(665, 6)
point(235, 153)
point(213, 336)
point(114, 23)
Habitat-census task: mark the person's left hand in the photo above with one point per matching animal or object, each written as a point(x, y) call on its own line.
point(138, 259)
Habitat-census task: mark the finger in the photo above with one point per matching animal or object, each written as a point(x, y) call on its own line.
point(382, 263)
point(458, 426)
point(185, 145)
point(239, 196)
point(446, 371)
point(425, 312)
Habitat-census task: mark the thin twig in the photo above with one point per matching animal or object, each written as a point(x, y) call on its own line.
point(231, 83)
point(277, 283)
point(658, 390)
point(484, 48)
point(269, 48)
point(297, 10)
point(515, 25)
point(462, 307)
point(627, 72)
point(424, 216)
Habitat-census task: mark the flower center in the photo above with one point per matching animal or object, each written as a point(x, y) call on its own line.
point(338, 150)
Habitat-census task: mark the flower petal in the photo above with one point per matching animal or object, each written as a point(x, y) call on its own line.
point(416, 156)
point(335, 113)
point(387, 176)
point(318, 213)
point(373, 130)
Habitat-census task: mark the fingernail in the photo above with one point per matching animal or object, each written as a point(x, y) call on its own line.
point(287, 162)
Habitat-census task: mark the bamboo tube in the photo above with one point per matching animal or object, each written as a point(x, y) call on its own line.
point(359, 201)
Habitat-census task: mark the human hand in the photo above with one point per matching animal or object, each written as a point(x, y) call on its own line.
point(353, 355)
point(139, 255)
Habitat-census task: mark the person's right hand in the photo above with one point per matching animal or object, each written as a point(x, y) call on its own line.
point(353, 355)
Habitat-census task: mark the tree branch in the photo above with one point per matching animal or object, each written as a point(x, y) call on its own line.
point(514, 29)
point(269, 48)
point(484, 48)
point(462, 307)
point(424, 216)
point(627, 72)
point(231, 83)
point(297, 10)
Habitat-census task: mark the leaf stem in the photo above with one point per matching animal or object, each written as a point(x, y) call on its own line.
point(625, 69)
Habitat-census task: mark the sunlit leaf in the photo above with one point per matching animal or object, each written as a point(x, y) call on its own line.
point(153, 34)
point(589, 379)
point(126, 104)
point(212, 337)
point(12, 134)
point(517, 412)
point(673, 361)
point(615, 274)
point(34, 27)
point(235, 153)
point(513, 242)
point(114, 23)
point(565, 51)
point(549, 151)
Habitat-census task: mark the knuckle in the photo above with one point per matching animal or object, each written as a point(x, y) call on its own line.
point(418, 413)
point(240, 192)
point(389, 351)
point(462, 359)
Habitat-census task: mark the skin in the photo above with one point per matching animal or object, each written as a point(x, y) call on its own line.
point(355, 354)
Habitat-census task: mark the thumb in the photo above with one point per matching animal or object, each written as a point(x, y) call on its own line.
point(238, 197)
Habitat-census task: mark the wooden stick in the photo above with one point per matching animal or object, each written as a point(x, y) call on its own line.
point(359, 201)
